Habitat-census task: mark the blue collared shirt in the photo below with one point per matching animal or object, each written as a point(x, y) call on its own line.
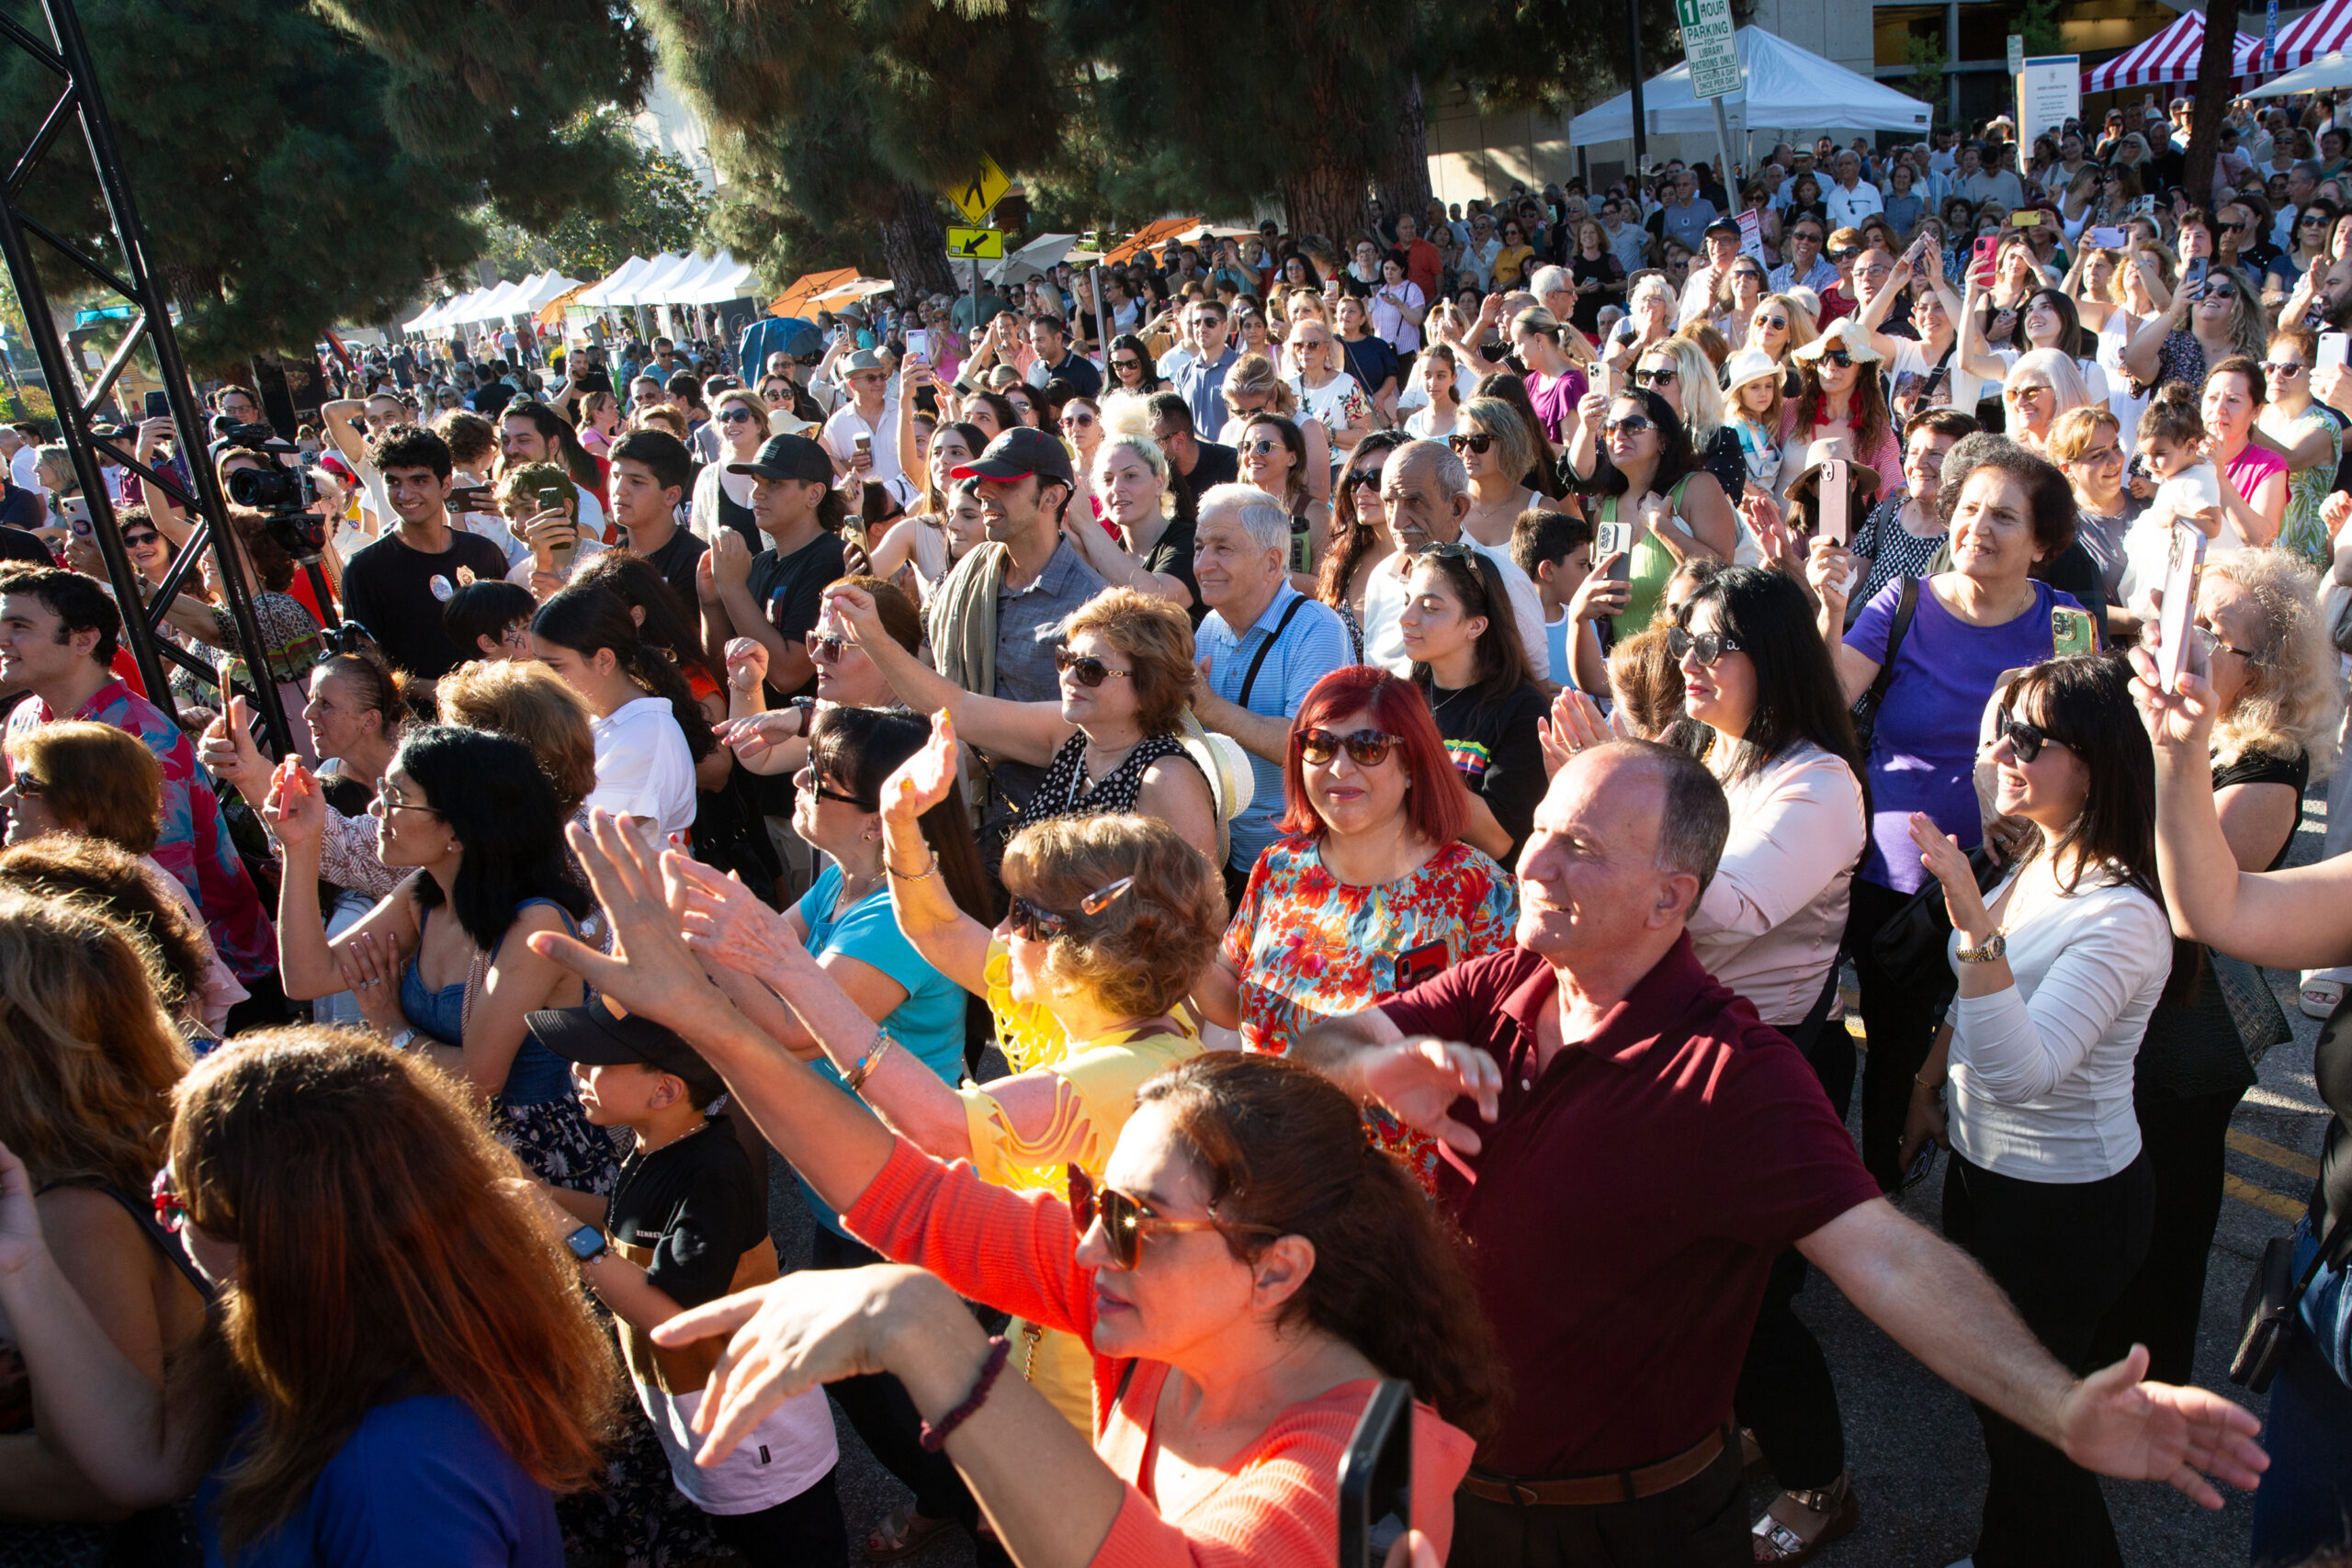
point(1313, 644)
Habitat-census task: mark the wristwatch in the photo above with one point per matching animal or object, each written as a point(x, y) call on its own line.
point(1995, 946)
point(587, 1244)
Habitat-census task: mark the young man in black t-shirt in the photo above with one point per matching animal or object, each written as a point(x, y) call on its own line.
point(686, 1225)
point(395, 587)
point(652, 471)
point(773, 597)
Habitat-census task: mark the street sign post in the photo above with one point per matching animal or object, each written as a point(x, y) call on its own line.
point(1711, 49)
point(976, 244)
point(2270, 35)
point(985, 187)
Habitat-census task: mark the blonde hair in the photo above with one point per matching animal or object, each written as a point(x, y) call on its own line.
point(531, 704)
point(1703, 394)
point(2293, 698)
point(749, 399)
point(87, 1058)
point(1147, 452)
point(1254, 374)
point(1654, 287)
point(1514, 445)
point(98, 780)
point(1802, 330)
point(1143, 953)
point(2072, 433)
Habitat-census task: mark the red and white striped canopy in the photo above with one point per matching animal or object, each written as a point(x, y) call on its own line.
point(2312, 35)
point(2172, 56)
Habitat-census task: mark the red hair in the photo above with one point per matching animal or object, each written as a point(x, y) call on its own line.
point(1436, 801)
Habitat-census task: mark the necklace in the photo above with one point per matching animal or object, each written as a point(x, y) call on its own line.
point(637, 1162)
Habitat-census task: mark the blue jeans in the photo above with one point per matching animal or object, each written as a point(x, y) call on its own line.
point(2304, 1504)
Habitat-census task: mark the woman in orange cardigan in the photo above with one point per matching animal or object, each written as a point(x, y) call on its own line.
point(1250, 1268)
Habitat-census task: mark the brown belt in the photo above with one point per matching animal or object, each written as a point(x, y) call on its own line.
point(1609, 1486)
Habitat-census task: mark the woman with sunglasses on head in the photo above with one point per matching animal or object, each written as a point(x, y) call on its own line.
point(1646, 475)
point(2218, 319)
point(1112, 744)
point(1238, 1184)
point(1372, 887)
point(2060, 965)
point(316, 1178)
point(2309, 436)
point(1496, 448)
point(1468, 661)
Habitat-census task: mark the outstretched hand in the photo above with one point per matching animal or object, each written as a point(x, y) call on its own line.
point(650, 970)
point(923, 780)
point(724, 921)
point(1574, 723)
point(2113, 1423)
point(1420, 1079)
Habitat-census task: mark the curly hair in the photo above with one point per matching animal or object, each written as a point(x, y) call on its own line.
point(530, 702)
point(1141, 955)
point(126, 888)
point(2293, 698)
point(1158, 636)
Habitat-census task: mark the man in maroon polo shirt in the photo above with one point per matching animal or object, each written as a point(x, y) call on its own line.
point(1652, 1148)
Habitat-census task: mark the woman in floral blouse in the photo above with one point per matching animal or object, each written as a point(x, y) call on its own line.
point(1370, 891)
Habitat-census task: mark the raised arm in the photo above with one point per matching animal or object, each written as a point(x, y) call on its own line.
point(1023, 732)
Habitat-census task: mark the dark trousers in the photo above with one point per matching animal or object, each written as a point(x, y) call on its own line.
point(1901, 1019)
point(877, 1404)
point(799, 1532)
point(2062, 1252)
point(2184, 1141)
point(1701, 1524)
point(1785, 1394)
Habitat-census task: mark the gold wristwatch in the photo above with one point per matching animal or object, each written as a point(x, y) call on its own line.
point(1995, 946)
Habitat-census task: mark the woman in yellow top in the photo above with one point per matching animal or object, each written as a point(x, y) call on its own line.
point(1113, 919)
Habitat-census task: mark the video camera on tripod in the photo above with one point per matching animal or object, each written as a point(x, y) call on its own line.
point(286, 494)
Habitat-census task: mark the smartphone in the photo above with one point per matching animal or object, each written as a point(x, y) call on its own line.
point(2025, 220)
point(864, 445)
point(75, 510)
point(1376, 1472)
point(469, 498)
point(2108, 237)
point(159, 404)
point(2336, 348)
point(1987, 247)
point(553, 501)
point(2072, 632)
point(1614, 539)
point(1832, 524)
point(1416, 964)
point(2182, 568)
point(2192, 277)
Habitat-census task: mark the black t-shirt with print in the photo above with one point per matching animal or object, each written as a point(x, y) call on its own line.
point(396, 592)
point(1495, 746)
point(696, 1205)
point(789, 589)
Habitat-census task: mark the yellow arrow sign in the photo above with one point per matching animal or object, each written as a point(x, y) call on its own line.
point(976, 244)
point(984, 189)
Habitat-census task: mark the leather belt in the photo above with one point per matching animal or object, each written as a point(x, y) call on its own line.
point(1607, 1486)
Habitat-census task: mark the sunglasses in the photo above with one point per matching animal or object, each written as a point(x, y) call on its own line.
point(1476, 441)
point(2288, 368)
point(147, 537)
point(1661, 376)
point(1036, 923)
point(1709, 645)
point(825, 650)
point(1365, 748)
point(2025, 740)
point(1773, 324)
point(2233, 227)
point(1119, 364)
point(738, 415)
point(27, 787)
point(171, 1211)
point(1840, 358)
point(806, 778)
point(1362, 479)
point(1126, 1221)
point(1090, 672)
point(1632, 425)
point(1265, 448)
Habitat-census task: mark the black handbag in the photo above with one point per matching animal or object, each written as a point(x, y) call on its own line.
point(2271, 1298)
point(1866, 706)
point(1910, 945)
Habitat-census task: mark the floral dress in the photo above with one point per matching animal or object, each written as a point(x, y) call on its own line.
point(2304, 533)
point(1309, 947)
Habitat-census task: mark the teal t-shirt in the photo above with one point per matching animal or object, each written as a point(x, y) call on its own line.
point(929, 1022)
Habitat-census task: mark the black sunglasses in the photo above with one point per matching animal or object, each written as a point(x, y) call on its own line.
point(738, 414)
point(1122, 364)
point(1840, 358)
point(1632, 425)
point(1659, 376)
point(1365, 748)
point(2025, 740)
point(1090, 672)
point(1362, 479)
point(147, 537)
point(1036, 923)
point(1126, 1222)
point(1475, 441)
point(1711, 646)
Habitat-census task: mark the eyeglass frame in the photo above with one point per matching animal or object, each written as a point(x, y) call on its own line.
point(1068, 663)
point(1698, 643)
point(1035, 922)
point(1126, 1222)
point(1316, 737)
point(377, 806)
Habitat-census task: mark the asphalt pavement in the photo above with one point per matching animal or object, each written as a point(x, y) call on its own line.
point(1911, 1442)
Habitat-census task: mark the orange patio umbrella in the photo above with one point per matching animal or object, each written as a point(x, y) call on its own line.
point(807, 287)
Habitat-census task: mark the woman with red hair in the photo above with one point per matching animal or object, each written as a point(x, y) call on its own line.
point(1370, 890)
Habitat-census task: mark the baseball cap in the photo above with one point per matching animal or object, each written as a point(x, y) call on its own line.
point(1724, 226)
point(1017, 453)
point(788, 457)
point(597, 1036)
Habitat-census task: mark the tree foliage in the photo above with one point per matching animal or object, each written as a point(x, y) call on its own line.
point(660, 206)
point(292, 174)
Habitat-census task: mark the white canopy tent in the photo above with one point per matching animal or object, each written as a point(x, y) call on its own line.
point(550, 285)
point(2327, 74)
point(600, 292)
point(1788, 89)
point(727, 279)
point(653, 284)
point(1033, 259)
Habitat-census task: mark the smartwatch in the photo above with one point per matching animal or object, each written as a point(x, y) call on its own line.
point(587, 1244)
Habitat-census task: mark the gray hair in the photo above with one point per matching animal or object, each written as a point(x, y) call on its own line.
point(1452, 476)
point(1695, 819)
point(1260, 515)
point(1551, 280)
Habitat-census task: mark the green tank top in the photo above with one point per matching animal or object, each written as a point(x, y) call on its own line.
point(1647, 572)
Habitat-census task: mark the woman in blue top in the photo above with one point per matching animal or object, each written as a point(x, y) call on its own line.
point(2004, 512)
point(432, 1372)
point(440, 965)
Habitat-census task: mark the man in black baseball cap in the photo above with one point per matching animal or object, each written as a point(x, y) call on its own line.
point(790, 457)
point(1015, 455)
point(773, 597)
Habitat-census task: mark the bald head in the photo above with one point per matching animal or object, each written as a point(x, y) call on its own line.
point(1626, 838)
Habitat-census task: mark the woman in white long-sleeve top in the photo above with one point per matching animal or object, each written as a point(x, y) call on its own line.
point(2059, 966)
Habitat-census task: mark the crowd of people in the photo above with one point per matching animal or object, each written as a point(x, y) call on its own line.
point(1267, 818)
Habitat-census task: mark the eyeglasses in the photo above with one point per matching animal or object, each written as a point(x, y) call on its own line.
point(738, 414)
point(1632, 425)
point(386, 802)
point(1657, 375)
point(1476, 441)
point(171, 1211)
point(145, 537)
point(1365, 748)
point(1772, 324)
point(1126, 1222)
point(2220, 291)
point(1711, 646)
point(27, 787)
point(2233, 227)
point(825, 650)
point(1118, 363)
point(1090, 672)
point(2020, 394)
point(2025, 740)
point(2316, 221)
point(1261, 448)
point(1036, 923)
point(806, 778)
point(1450, 549)
point(1805, 237)
point(2209, 637)
point(2285, 367)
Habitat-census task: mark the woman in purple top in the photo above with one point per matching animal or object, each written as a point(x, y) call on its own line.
point(2004, 510)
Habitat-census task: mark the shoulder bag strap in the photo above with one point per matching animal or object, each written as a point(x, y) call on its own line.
point(1249, 680)
point(1904, 608)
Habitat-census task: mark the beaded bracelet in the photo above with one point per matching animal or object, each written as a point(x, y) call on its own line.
point(933, 1438)
point(854, 1079)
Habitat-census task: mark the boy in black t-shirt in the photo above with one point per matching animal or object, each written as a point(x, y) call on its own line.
point(395, 587)
point(686, 1225)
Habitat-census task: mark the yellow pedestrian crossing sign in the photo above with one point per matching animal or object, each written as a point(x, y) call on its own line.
point(982, 190)
point(976, 244)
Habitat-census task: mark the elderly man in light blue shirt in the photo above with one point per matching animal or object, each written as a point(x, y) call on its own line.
point(1260, 674)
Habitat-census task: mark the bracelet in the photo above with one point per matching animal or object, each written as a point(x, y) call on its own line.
point(925, 875)
point(854, 1079)
point(403, 1040)
point(933, 1438)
